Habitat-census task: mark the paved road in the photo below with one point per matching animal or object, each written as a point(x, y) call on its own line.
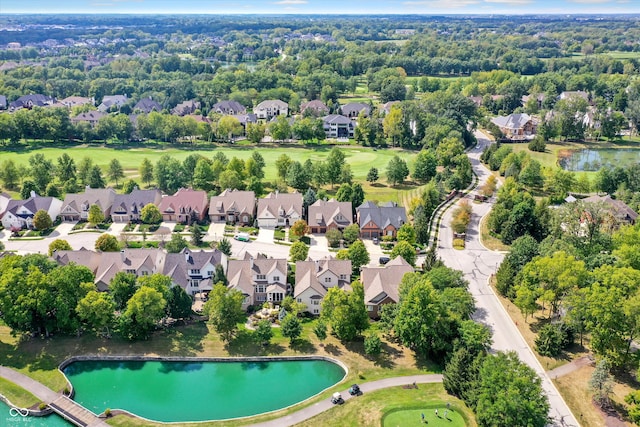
point(478, 264)
point(325, 405)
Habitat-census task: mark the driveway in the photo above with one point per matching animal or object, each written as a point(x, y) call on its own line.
point(265, 235)
point(62, 231)
point(117, 228)
point(215, 232)
point(375, 252)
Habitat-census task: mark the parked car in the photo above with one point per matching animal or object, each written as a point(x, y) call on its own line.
point(354, 390)
point(375, 241)
point(384, 259)
point(242, 237)
point(337, 399)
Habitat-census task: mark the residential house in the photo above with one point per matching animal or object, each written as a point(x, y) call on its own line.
point(315, 108)
point(191, 270)
point(386, 107)
point(19, 213)
point(314, 278)
point(519, 126)
point(324, 215)
point(233, 206)
point(229, 108)
point(337, 126)
point(575, 94)
point(186, 205)
point(30, 101)
point(76, 205)
point(110, 102)
point(260, 279)
point(540, 97)
point(4, 202)
point(127, 207)
point(147, 105)
point(271, 108)
point(3, 102)
point(185, 108)
point(353, 109)
point(91, 117)
point(244, 119)
point(279, 209)
point(76, 101)
point(619, 210)
point(378, 221)
point(382, 284)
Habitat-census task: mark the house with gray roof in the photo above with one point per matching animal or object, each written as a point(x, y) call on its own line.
point(267, 110)
point(337, 126)
point(75, 101)
point(127, 207)
point(19, 213)
point(618, 209)
point(110, 102)
point(378, 221)
point(330, 214)
point(191, 270)
point(3, 102)
point(314, 278)
point(229, 108)
point(147, 105)
point(517, 126)
point(382, 284)
point(91, 117)
point(279, 209)
point(260, 279)
point(185, 108)
point(353, 109)
point(76, 205)
point(315, 108)
point(233, 206)
point(30, 101)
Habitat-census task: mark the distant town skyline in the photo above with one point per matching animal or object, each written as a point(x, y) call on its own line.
point(333, 7)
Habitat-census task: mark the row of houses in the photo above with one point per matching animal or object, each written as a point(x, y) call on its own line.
point(188, 205)
point(260, 279)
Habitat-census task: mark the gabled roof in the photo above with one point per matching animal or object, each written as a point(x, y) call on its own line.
point(271, 103)
point(186, 107)
point(383, 282)
point(242, 273)
point(316, 106)
point(233, 201)
point(147, 105)
point(512, 121)
point(89, 116)
point(336, 119)
point(33, 204)
point(72, 101)
point(103, 197)
point(382, 216)
point(308, 272)
point(229, 107)
point(185, 200)
point(275, 203)
point(326, 213)
point(134, 202)
point(109, 101)
point(354, 109)
point(618, 208)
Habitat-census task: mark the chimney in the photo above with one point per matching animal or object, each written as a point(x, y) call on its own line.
point(186, 256)
point(123, 257)
point(33, 193)
point(251, 262)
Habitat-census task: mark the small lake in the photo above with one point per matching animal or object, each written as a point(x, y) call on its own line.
point(172, 391)
point(12, 418)
point(593, 160)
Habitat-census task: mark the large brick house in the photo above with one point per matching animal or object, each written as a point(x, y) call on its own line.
point(378, 221)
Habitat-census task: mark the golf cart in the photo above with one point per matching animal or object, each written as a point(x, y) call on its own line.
point(354, 390)
point(337, 399)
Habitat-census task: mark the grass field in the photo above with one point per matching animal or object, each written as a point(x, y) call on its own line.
point(396, 407)
point(613, 54)
point(17, 395)
point(361, 159)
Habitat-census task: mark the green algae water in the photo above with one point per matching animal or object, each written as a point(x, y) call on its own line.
point(12, 418)
point(198, 391)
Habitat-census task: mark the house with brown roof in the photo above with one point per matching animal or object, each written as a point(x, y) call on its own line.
point(76, 205)
point(279, 209)
point(230, 108)
point(75, 101)
point(315, 108)
point(185, 206)
point(267, 110)
point(127, 207)
point(382, 284)
point(191, 270)
point(233, 206)
point(618, 209)
point(260, 279)
point(324, 215)
point(520, 126)
point(353, 109)
point(147, 105)
point(185, 108)
point(91, 117)
point(19, 214)
point(314, 278)
point(378, 221)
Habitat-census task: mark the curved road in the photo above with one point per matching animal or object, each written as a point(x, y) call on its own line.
point(324, 405)
point(478, 264)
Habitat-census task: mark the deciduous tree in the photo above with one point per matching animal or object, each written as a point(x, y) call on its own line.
point(224, 309)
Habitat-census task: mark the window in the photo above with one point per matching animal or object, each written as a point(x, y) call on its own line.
point(315, 302)
point(369, 308)
point(261, 298)
point(260, 288)
point(194, 272)
point(299, 299)
point(316, 311)
point(343, 277)
point(276, 278)
point(327, 280)
point(261, 277)
point(209, 273)
point(144, 273)
point(131, 271)
point(194, 283)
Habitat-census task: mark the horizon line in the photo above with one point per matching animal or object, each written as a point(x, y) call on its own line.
point(636, 13)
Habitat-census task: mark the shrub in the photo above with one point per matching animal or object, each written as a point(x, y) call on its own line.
point(458, 243)
point(42, 406)
point(372, 344)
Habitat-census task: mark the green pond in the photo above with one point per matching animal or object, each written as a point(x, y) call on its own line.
point(198, 391)
point(12, 418)
point(593, 160)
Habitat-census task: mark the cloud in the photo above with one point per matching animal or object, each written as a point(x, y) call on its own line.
point(442, 4)
point(589, 1)
point(291, 2)
point(511, 2)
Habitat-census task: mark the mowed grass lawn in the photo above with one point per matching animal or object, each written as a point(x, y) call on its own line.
point(397, 406)
point(361, 159)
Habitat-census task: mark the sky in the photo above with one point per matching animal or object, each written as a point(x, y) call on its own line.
point(323, 6)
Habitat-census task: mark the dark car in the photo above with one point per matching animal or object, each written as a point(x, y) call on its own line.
point(375, 240)
point(384, 259)
point(354, 390)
